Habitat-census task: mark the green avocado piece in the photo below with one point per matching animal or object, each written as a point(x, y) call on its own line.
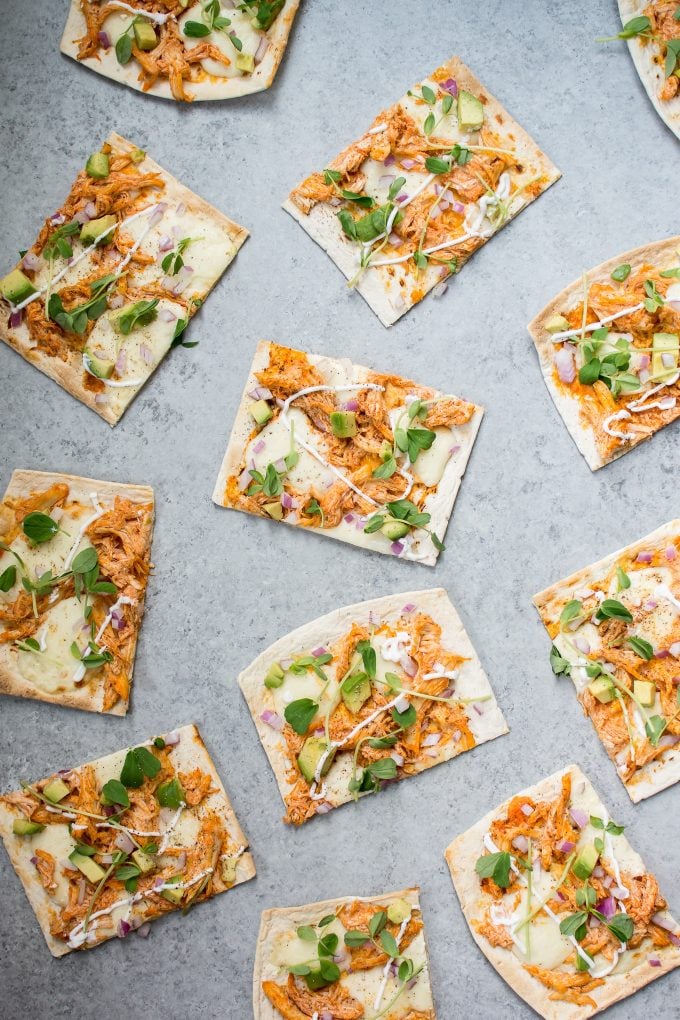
point(97, 166)
point(145, 36)
point(398, 911)
point(144, 862)
point(246, 62)
point(585, 861)
point(261, 411)
point(645, 692)
point(470, 111)
point(602, 689)
point(16, 287)
point(229, 870)
point(274, 509)
point(90, 869)
point(22, 827)
point(173, 895)
point(355, 690)
point(274, 677)
point(101, 367)
point(313, 750)
point(556, 324)
point(56, 790)
point(344, 424)
point(664, 343)
point(95, 228)
point(394, 530)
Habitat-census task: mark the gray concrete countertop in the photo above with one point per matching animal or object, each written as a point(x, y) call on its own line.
point(226, 585)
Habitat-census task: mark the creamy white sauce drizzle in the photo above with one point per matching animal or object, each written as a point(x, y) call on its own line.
point(378, 129)
point(386, 968)
point(334, 744)
point(159, 19)
point(99, 512)
point(637, 406)
point(558, 337)
point(125, 828)
point(392, 649)
point(123, 600)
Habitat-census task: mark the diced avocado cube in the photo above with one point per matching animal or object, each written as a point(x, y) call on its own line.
point(246, 62)
point(556, 324)
point(645, 692)
point(344, 424)
point(664, 344)
point(22, 827)
point(101, 367)
point(95, 228)
point(145, 37)
point(398, 911)
point(144, 862)
point(56, 790)
point(137, 156)
point(355, 690)
point(585, 861)
point(97, 166)
point(394, 530)
point(603, 689)
point(313, 750)
point(229, 870)
point(261, 411)
point(274, 677)
point(90, 869)
point(16, 287)
point(470, 111)
point(274, 509)
point(173, 895)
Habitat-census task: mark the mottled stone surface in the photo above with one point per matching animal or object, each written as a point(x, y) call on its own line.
point(225, 584)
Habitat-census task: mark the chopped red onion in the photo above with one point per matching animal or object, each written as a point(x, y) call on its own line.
point(661, 653)
point(409, 607)
point(348, 518)
point(32, 262)
point(578, 817)
point(432, 739)
point(280, 465)
point(458, 207)
point(183, 279)
point(262, 48)
point(389, 160)
point(668, 360)
point(670, 552)
point(386, 179)
point(116, 301)
point(335, 200)
point(582, 645)
point(173, 738)
point(166, 243)
point(181, 209)
point(323, 807)
point(644, 557)
point(564, 363)
point(478, 709)
point(91, 210)
point(121, 362)
point(104, 40)
point(57, 219)
point(598, 871)
point(244, 480)
point(619, 892)
point(351, 405)
point(124, 843)
point(166, 315)
point(16, 318)
point(261, 393)
point(287, 501)
point(107, 858)
point(408, 164)
point(397, 758)
point(440, 289)
point(450, 86)
point(643, 361)
point(566, 846)
point(157, 215)
point(402, 704)
point(394, 239)
point(81, 217)
point(316, 652)
point(674, 649)
point(675, 939)
point(397, 548)
point(146, 354)
point(527, 810)
point(259, 446)
point(654, 961)
point(607, 881)
point(123, 929)
point(521, 843)
point(409, 665)
point(110, 809)
point(143, 930)
point(402, 197)
point(272, 719)
point(650, 604)
point(456, 735)
point(669, 740)
point(81, 890)
point(181, 861)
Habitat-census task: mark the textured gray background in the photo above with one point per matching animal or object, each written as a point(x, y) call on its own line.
point(226, 585)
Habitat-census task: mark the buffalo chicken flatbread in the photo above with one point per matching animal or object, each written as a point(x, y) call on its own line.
point(653, 34)
point(433, 178)
point(615, 628)
point(608, 349)
point(104, 848)
point(373, 692)
point(182, 49)
point(365, 457)
point(74, 564)
point(114, 276)
point(352, 958)
point(560, 903)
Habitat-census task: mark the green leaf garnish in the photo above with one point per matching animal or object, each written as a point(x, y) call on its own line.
point(299, 714)
point(495, 866)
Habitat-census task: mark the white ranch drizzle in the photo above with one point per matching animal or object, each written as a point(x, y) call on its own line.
point(386, 968)
point(86, 251)
point(378, 129)
point(637, 407)
point(159, 19)
point(126, 828)
point(334, 744)
point(110, 382)
point(99, 512)
point(558, 337)
point(123, 600)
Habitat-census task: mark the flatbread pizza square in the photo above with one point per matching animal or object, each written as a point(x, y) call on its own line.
point(435, 176)
point(560, 903)
point(377, 691)
point(655, 50)
point(608, 350)
point(615, 628)
point(75, 557)
point(368, 458)
point(185, 51)
point(350, 957)
point(104, 848)
point(114, 276)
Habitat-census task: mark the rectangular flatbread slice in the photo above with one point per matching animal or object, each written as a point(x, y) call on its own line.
point(184, 51)
point(106, 847)
point(560, 903)
point(364, 457)
point(656, 54)
point(611, 362)
point(114, 277)
point(380, 690)
point(615, 627)
point(434, 177)
point(321, 960)
point(75, 556)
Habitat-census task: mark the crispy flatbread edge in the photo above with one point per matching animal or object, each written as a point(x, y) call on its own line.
point(69, 374)
point(650, 73)
point(277, 918)
point(323, 227)
point(215, 88)
point(461, 855)
point(440, 506)
point(28, 876)
point(329, 628)
point(568, 407)
point(11, 681)
point(656, 775)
